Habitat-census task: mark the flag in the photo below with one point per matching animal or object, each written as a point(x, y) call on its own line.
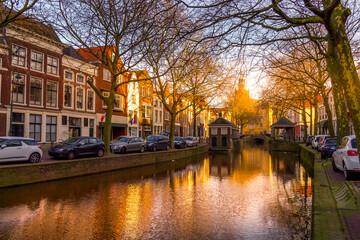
point(103, 117)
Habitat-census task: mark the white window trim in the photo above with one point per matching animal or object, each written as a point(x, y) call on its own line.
point(83, 108)
point(25, 89)
point(72, 96)
point(58, 68)
point(87, 93)
point(105, 94)
point(42, 70)
point(57, 95)
point(42, 93)
point(73, 74)
point(80, 74)
point(26, 56)
point(120, 79)
point(121, 102)
point(106, 70)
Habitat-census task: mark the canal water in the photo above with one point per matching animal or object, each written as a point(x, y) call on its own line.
point(248, 194)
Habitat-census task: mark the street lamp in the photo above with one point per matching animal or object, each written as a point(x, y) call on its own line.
point(18, 76)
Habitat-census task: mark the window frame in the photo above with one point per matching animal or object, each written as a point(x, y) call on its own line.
point(12, 56)
point(50, 124)
point(106, 95)
point(42, 62)
point(52, 66)
point(83, 98)
point(80, 75)
point(87, 101)
point(120, 108)
point(33, 134)
point(12, 85)
point(108, 75)
point(72, 75)
point(57, 94)
point(72, 95)
point(41, 89)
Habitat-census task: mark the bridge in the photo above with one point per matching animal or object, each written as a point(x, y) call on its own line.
point(256, 138)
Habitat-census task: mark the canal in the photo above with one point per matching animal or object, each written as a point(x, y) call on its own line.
point(248, 194)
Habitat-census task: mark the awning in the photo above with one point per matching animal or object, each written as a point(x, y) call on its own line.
point(114, 124)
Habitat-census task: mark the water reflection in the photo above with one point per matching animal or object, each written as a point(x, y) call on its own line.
point(244, 195)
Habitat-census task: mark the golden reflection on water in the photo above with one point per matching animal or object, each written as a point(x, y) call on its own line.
point(250, 194)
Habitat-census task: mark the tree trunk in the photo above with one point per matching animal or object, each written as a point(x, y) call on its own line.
point(316, 117)
point(194, 121)
point(311, 118)
point(342, 119)
point(339, 48)
point(107, 126)
point(328, 112)
point(304, 121)
point(172, 130)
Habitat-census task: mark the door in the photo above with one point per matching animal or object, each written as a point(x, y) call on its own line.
point(12, 151)
point(82, 147)
point(93, 145)
point(131, 145)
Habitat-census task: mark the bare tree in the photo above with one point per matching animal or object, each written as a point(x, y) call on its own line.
point(14, 10)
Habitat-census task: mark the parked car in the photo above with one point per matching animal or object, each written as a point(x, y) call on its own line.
point(157, 142)
point(346, 157)
point(19, 149)
point(78, 146)
point(315, 142)
point(128, 144)
point(309, 140)
point(328, 147)
point(321, 142)
point(179, 142)
point(165, 134)
point(191, 141)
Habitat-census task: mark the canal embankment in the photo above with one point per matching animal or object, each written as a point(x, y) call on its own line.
point(336, 202)
point(20, 174)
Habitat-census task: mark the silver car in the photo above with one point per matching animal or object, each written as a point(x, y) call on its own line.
point(19, 149)
point(191, 141)
point(128, 144)
point(346, 157)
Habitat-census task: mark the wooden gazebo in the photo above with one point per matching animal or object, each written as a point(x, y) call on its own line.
point(284, 124)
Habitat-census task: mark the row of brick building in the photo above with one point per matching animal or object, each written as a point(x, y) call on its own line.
point(43, 82)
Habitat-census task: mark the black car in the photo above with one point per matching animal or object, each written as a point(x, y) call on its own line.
point(157, 142)
point(309, 140)
point(179, 142)
point(328, 147)
point(78, 146)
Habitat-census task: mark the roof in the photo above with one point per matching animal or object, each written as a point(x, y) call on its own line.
point(283, 123)
point(85, 53)
point(39, 28)
point(222, 121)
point(71, 52)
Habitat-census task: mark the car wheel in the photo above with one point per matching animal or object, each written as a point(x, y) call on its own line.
point(70, 155)
point(100, 152)
point(347, 174)
point(142, 149)
point(335, 169)
point(34, 158)
point(123, 150)
point(167, 147)
point(154, 149)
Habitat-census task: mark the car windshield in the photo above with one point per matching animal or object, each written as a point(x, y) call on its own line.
point(331, 141)
point(124, 139)
point(118, 138)
point(70, 141)
point(152, 138)
point(354, 143)
point(177, 139)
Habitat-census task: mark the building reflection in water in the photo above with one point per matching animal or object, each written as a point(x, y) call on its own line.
point(249, 194)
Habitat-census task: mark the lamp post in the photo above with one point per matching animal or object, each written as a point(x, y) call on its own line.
point(18, 76)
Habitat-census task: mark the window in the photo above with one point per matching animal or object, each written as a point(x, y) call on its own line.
point(143, 91)
point(167, 116)
point(80, 98)
point(18, 56)
point(35, 127)
point(80, 78)
point(117, 104)
point(17, 128)
point(156, 115)
point(51, 123)
point(91, 129)
point(142, 111)
point(119, 79)
point(105, 94)
point(90, 100)
point(160, 116)
point(106, 75)
point(68, 93)
point(160, 103)
point(52, 65)
point(36, 61)
point(155, 103)
point(86, 122)
point(68, 75)
point(148, 112)
point(64, 120)
point(51, 94)
point(93, 140)
point(18, 89)
point(35, 91)
point(149, 93)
